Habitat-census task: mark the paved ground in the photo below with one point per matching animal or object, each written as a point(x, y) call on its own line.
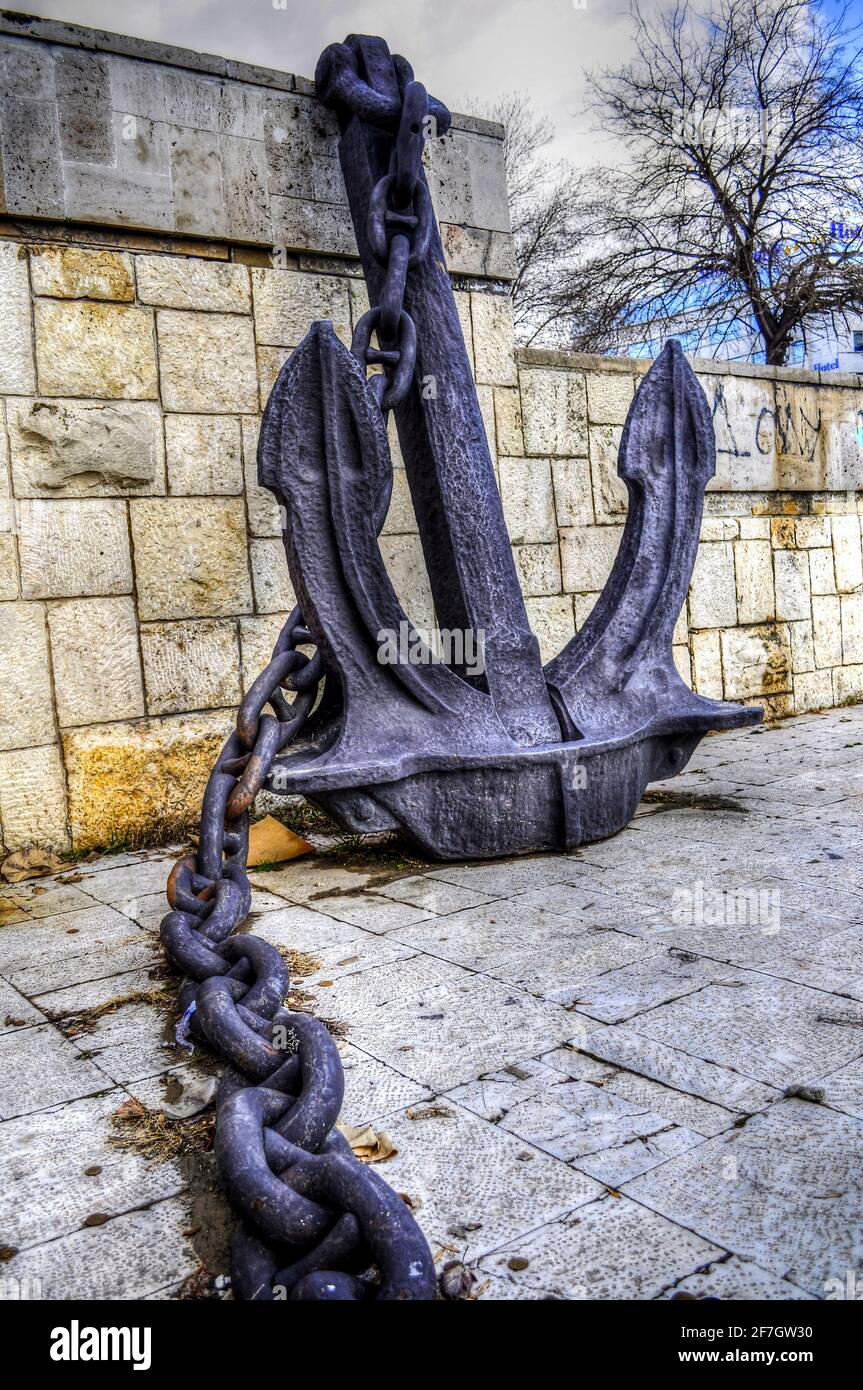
point(646, 1057)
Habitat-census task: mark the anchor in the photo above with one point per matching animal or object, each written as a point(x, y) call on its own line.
point(516, 757)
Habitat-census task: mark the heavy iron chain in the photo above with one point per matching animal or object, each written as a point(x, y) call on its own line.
point(317, 1223)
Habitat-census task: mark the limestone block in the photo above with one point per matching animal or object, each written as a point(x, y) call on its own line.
point(78, 448)
point(299, 224)
point(31, 153)
point(8, 566)
point(26, 713)
point(753, 567)
point(485, 396)
point(244, 178)
point(270, 363)
point(821, 573)
point(712, 593)
point(552, 621)
point(72, 548)
point(94, 349)
point(587, 554)
point(507, 415)
point(462, 304)
point(573, 503)
point(187, 282)
point(33, 798)
point(538, 569)
point(493, 339)
point(851, 612)
point(17, 374)
point(403, 558)
point(126, 780)
point(94, 656)
point(847, 685)
point(196, 182)
point(584, 605)
point(680, 653)
point(802, 648)
point(719, 528)
point(782, 533)
point(273, 590)
point(77, 272)
point(812, 690)
point(610, 495)
point(754, 528)
point(83, 106)
point(847, 553)
point(258, 637)
point(206, 362)
point(528, 500)
point(799, 445)
point(287, 302)
point(265, 518)
point(743, 421)
point(190, 557)
point(841, 420)
point(190, 665)
point(707, 664)
point(475, 251)
point(756, 661)
point(826, 630)
point(204, 455)
point(554, 409)
point(793, 586)
point(812, 531)
point(401, 518)
point(609, 396)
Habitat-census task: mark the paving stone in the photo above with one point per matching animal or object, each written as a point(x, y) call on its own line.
point(340, 948)
point(39, 1068)
point(575, 973)
point(609, 1249)
point(507, 1194)
point(487, 938)
point(15, 1011)
point(46, 897)
point(96, 1264)
point(48, 1193)
point(373, 1091)
point(432, 895)
point(130, 881)
point(624, 1046)
point(370, 912)
point(676, 1106)
point(30, 949)
point(843, 1089)
point(734, 1280)
point(782, 1189)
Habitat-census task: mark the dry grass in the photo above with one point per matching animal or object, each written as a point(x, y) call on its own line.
point(157, 1137)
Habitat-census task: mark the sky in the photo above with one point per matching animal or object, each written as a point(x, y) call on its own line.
point(461, 49)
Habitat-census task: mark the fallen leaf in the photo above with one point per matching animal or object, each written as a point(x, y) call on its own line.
point(29, 863)
point(368, 1145)
point(12, 1022)
point(270, 842)
point(431, 1112)
point(456, 1280)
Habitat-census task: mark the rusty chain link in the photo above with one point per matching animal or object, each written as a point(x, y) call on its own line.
point(317, 1223)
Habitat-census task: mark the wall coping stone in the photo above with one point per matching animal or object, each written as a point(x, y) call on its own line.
point(588, 361)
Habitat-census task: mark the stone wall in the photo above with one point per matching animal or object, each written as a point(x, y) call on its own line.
point(142, 576)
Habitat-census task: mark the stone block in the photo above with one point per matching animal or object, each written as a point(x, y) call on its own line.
point(204, 455)
point(244, 179)
point(802, 648)
point(528, 500)
point(476, 252)
point(756, 661)
point(287, 302)
point(554, 409)
point(812, 690)
point(26, 712)
point(587, 554)
point(270, 362)
point(793, 586)
point(743, 420)
point(707, 664)
point(73, 548)
point(77, 272)
point(196, 182)
point(265, 518)
point(719, 528)
point(83, 106)
point(142, 146)
point(192, 99)
point(32, 798)
point(609, 396)
point(584, 605)
point(799, 446)
point(782, 533)
point(401, 518)
point(552, 621)
point(847, 685)
point(17, 374)
point(403, 558)
point(258, 637)
point(680, 653)
point(507, 416)
point(812, 531)
point(847, 553)
point(190, 665)
point(78, 448)
point(31, 158)
point(753, 567)
point(826, 630)
point(493, 340)
point(712, 592)
point(538, 568)
point(754, 528)
point(94, 657)
point(821, 573)
point(301, 225)
point(610, 494)
point(462, 304)
point(190, 557)
point(206, 362)
point(95, 349)
point(839, 419)
point(573, 504)
point(8, 566)
point(273, 590)
point(126, 780)
point(851, 611)
point(186, 282)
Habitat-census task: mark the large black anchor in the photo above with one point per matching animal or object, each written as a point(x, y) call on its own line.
point(517, 758)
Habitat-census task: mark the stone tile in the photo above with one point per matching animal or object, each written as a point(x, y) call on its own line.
point(128, 881)
point(781, 1191)
point(432, 894)
point(457, 1169)
point(610, 1249)
point(340, 948)
point(625, 1046)
point(372, 913)
point(32, 951)
point(207, 362)
point(488, 938)
point(95, 1263)
point(16, 1012)
point(48, 1193)
point(677, 1107)
point(39, 1068)
point(602, 971)
point(90, 349)
point(843, 1089)
point(373, 1091)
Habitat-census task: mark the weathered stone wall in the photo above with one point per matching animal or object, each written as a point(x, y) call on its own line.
point(142, 576)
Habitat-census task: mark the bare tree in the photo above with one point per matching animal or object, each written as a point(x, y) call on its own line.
point(744, 137)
